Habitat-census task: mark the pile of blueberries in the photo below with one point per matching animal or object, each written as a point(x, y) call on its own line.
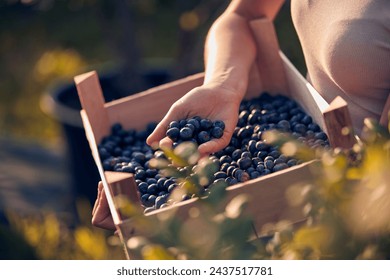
point(198, 130)
point(246, 157)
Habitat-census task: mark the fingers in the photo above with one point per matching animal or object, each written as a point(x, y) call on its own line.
point(101, 215)
point(166, 142)
point(159, 132)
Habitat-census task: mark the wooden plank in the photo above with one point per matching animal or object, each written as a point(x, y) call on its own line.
point(138, 110)
point(271, 70)
point(339, 124)
point(267, 199)
point(95, 153)
point(304, 93)
point(92, 101)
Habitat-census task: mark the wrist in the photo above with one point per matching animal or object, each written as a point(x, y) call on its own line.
point(233, 81)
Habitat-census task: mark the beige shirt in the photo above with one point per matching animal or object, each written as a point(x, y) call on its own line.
point(346, 44)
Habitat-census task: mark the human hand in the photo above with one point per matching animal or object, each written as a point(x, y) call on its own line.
point(101, 215)
point(211, 101)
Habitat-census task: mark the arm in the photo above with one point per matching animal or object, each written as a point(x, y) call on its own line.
point(230, 52)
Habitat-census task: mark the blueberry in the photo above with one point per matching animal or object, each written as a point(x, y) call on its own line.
point(234, 142)
point(225, 159)
point(241, 175)
point(217, 132)
point(269, 164)
point(144, 198)
point(306, 120)
point(261, 146)
point(220, 124)
point(260, 168)
point(173, 124)
point(160, 184)
point(321, 135)
point(269, 158)
point(220, 174)
point(206, 124)
point(224, 167)
point(129, 169)
point(231, 181)
point(229, 150)
point(266, 172)
point(279, 166)
point(274, 154)
point(230, 169)
point(190, 126)
point(150, 181)
point(253, 118)
point(171, 187)
point(182, 123)
point(252, 146)
point(283, 125)
point(246, 154)
point(151, 172)
point(186, 133)
point(300, 128)
point(160, 200)
point(140, 174)
point(314, 127)
point(292, 162)
point(139, 157)
point(151, 200)
point(244, 132)
point(203, 137)
point(243, 116)
point(143, 187)
point(254, 174)
point(152, 189)
point(245, 162)
point(104, 154)
point(262, 154)
point(116, 128)
point(236, 154)
point(195, 123)
point(173, 133)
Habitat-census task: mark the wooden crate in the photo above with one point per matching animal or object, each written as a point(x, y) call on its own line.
point(268, 202)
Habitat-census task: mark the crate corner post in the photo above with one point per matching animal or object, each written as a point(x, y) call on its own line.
point(92, 101)
point(338, 124)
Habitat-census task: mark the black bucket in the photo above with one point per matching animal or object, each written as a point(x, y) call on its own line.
point(63, 104)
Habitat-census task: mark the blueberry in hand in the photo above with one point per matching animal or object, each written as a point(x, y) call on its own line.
point(203, 137)
point(216, 132)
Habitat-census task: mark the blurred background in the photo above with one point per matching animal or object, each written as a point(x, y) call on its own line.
point(45, 161)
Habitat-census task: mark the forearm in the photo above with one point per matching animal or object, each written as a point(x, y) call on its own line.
point(229, 53)
point(230, 48)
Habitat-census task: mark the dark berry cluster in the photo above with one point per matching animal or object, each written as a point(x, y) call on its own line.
point(246, 157)
point(198, 130)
